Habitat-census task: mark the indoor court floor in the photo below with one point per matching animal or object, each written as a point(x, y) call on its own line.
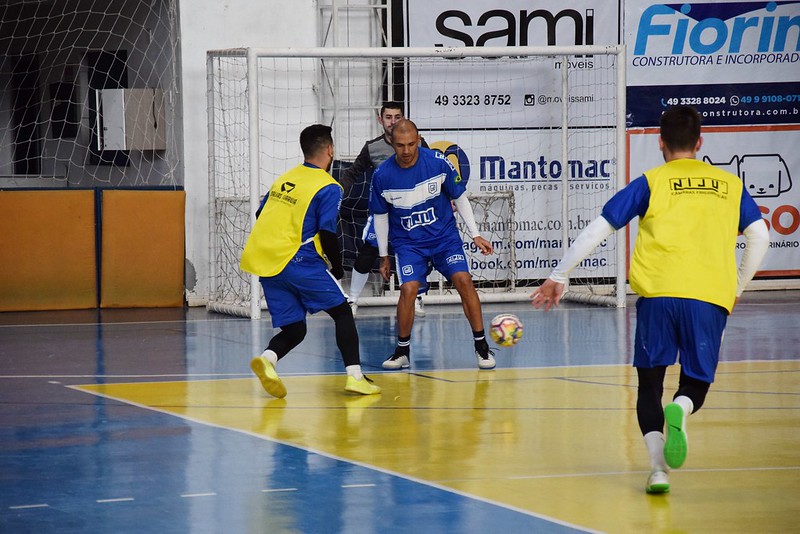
point(149, 420)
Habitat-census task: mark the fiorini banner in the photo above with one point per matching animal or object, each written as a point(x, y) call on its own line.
point(488, 93)
point(736, 62)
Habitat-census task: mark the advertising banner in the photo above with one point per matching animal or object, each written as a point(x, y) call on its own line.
point(767, 161)
point(533, 171)
point(470, 94)
point(735, 62)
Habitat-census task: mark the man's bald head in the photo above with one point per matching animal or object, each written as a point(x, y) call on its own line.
point(405, 126)
point(405, 141)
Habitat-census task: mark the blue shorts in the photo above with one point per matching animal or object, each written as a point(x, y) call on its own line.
point(447, 256)
point(304, 286)
point(371, 238)
point(667, 326)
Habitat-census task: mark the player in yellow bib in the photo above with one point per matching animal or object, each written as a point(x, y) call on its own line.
point(294, 250)
point(684, 269)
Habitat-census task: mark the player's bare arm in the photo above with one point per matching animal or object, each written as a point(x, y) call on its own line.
point(483, 245)
point(548, 294)
point(385, 268)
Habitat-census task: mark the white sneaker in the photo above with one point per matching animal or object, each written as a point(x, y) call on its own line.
point(353, 307)
point(419, 308)
point(486, 361)
point(396, 361)
point(657, 482)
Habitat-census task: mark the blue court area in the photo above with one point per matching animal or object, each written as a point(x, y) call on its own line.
point(124, 469)
point(149, 421)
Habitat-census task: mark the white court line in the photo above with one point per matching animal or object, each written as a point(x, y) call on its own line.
point(192, 495)
point(618, 473)
point(121, 499)
point(26, 506)
point(417, 480)
point(210, 376)
point(183, 375)
point(358, 485)
point(276, 490)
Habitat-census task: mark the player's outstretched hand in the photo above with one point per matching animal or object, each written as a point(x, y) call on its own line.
point(548, 294)
point(385, 268)
point(483, 245)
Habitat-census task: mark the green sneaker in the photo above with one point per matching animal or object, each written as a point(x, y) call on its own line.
point(265, 372)
point(658, 482)
point(363, 386)
point(676, 444)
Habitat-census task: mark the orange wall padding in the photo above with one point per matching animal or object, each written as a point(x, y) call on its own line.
point(142, 252)
point(47, 250)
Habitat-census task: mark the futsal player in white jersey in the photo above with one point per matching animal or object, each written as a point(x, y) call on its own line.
point(411, 204)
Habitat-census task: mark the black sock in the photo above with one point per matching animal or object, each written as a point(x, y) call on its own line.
point(479, 337)
point(481, 345)
point(403, 347)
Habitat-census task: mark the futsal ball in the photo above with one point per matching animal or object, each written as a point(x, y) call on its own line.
point(506, 329)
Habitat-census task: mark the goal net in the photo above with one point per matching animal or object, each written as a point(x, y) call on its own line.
point(538, 134)
point(89, 95)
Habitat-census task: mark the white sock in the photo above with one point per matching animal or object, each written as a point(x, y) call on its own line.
point(271, 356)
point(357, 282)
point(354, 371)
point(654, 441)
point(686, 403)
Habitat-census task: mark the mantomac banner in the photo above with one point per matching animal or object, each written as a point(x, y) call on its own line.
point(533, 171)
point(736, 62)
point(469, 100)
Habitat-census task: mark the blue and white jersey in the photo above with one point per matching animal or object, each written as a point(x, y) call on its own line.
point(417, 199)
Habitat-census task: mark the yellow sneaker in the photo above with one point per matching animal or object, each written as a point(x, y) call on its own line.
point(265, 372)
point(363, 386)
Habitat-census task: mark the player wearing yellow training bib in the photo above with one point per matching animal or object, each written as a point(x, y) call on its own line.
point(689, 198)
point(684, 268)
point(295, 231)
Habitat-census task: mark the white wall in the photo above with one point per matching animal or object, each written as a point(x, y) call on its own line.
point(210, 25)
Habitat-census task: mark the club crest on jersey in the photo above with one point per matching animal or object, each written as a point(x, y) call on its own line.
point(433, 188)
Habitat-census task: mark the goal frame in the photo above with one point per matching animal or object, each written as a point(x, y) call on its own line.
point(252, 56)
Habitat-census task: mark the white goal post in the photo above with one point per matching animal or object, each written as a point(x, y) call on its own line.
point(538, 132)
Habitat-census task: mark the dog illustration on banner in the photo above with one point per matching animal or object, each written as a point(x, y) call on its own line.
point(763, 175)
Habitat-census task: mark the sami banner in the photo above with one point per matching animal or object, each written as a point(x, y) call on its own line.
point(735, 62)
point(490, 93)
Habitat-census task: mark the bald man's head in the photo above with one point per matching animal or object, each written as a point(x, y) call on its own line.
point(405, 141)
point(405, 126)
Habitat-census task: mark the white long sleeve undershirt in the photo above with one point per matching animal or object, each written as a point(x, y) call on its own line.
point(465, 210)
point(382, 232)
point(757, 236)
point(584, 244)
